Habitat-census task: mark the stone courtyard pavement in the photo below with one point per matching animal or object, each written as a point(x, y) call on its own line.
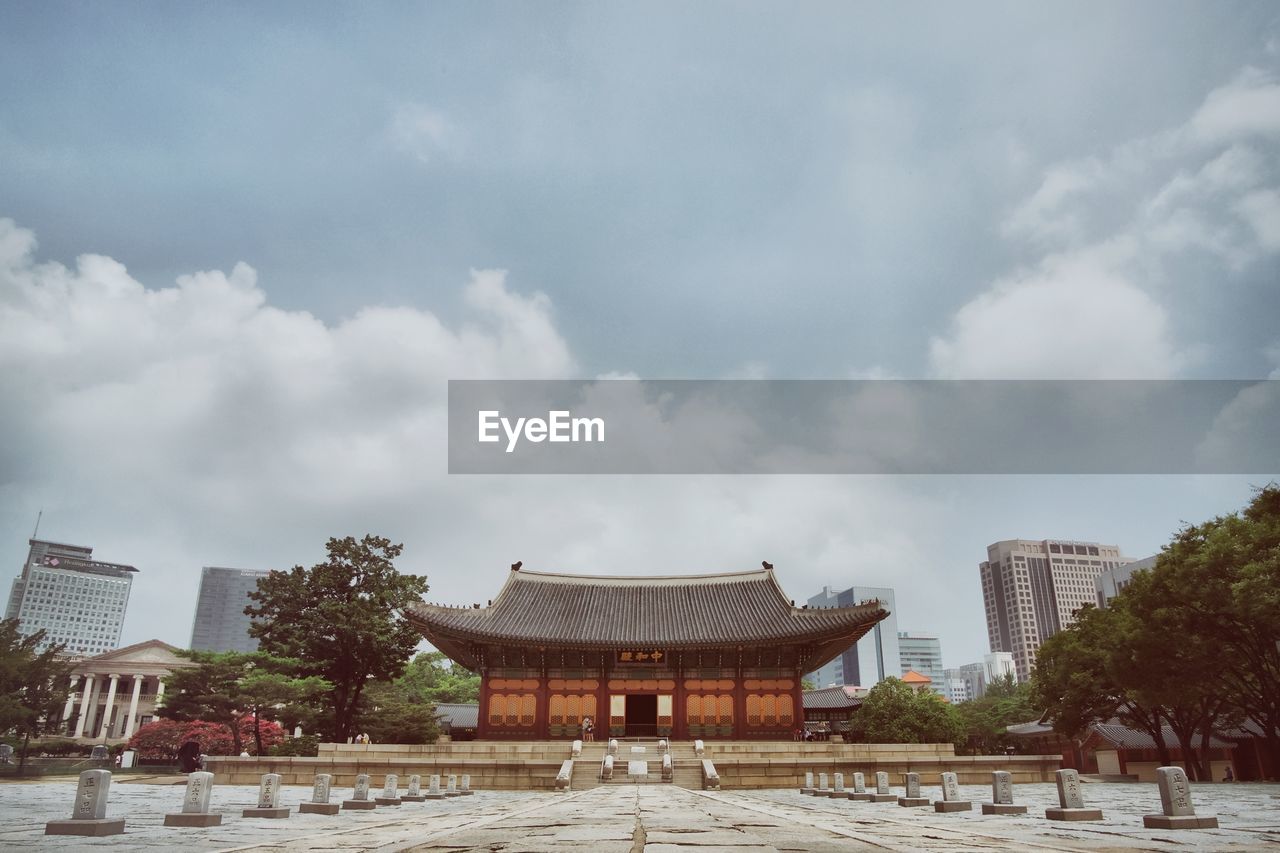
point(648, 818)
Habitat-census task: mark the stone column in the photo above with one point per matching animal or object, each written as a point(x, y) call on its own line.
point(84, 704)
point(106, 709)
point(159, 690)
point(133, 706)
point(71, 699)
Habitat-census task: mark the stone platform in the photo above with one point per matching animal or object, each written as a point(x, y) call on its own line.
point(654, 819)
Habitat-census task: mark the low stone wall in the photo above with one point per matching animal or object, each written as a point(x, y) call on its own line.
point(533, 765)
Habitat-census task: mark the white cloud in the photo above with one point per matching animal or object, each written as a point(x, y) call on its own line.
point(1114, 230)
point(1261, 209)
point(1248, 106)
point(425, 133)
point(1074, 316)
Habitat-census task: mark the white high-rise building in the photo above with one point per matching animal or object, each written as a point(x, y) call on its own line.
point(1108, 584)
point(922, 653)
point(1033, 588)
point(875, 656)
point(76, 600)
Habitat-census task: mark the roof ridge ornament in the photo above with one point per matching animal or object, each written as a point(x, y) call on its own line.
point(768, 567)
point(515, 567)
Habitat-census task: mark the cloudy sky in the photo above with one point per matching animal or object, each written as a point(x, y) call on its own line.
point(243, 247)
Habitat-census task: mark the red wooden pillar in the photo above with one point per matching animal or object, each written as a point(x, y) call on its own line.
point(797, 701)
point(679, 713)
point(739, 702)
point(482, 719)
point(542, 708)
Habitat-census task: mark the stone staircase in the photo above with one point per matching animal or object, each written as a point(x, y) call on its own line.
point(686, 767)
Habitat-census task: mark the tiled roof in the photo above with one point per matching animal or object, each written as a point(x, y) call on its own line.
point(460, 715)
point(1123, 737)
point(913, 677)
point(667, 612)
point(830, 698)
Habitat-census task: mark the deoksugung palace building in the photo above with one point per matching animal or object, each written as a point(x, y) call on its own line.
point(684, 657)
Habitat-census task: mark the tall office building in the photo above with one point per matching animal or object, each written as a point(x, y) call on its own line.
point(73, 598)
point(974, 678)
point(872, 658)
point(220, 623)
point(1107, 585)
point(923, 653)
point(1032, 589)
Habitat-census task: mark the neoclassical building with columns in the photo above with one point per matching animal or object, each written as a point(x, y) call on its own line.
point(114, 693)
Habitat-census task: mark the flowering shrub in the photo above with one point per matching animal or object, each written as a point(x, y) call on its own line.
point(160, 740)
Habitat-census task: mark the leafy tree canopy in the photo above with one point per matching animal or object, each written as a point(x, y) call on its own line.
point(344, 619)
point(895, 713)
point(33, 684)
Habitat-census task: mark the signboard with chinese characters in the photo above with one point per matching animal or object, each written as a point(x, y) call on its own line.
point(644, 656)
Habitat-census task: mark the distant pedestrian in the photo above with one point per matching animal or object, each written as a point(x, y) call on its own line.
point(189, 756)
point(1230, 777)
point(588, 729)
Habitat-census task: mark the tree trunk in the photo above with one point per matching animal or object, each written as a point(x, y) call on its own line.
point(1185, 733)
point(237, 743)
point(257, 730)
point(22, 761)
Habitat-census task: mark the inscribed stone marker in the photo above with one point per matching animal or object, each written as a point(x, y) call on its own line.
point(199, 790)
point(1175, 802)
point(89, 811)
point(195, 803)
point(268, 799)
point(1071, 799)
point(1002, 787)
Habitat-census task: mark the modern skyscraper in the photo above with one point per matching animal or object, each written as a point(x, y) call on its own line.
point(220, 623)
point(923, 653)
point(1032, 589)
point(1108, 584)
point(872, 658)
point(76, 600)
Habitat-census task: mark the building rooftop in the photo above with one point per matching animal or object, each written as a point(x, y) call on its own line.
point(667, 611)
point(831, 698)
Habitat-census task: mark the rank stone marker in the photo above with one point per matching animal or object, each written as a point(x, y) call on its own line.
point(414, 794)
point(1175, 802)
point(883, 794)
point(320, 804)
point(912, 798)
point(89, 814)
point(1002, 795)
point(808, 783)
point(951, 801)
point(859, 791)
point(837, 786)
point(1071, 801)
point(821, 790)
point(360, 796)
point(268, 799)
point(465, 788)
point(433, 788)
point(195, 803)
point(452, 789)
point(390, 792)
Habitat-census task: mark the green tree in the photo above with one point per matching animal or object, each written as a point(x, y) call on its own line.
point(895, 713)
point(33, 684)
point(1221, 580)
point(1004, 703)
point(1097, 668)
point(388, 717)
point(231, 687)
point(344, 619)
point(431, 678)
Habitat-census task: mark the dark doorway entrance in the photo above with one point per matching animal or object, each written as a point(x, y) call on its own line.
point(642, 716)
